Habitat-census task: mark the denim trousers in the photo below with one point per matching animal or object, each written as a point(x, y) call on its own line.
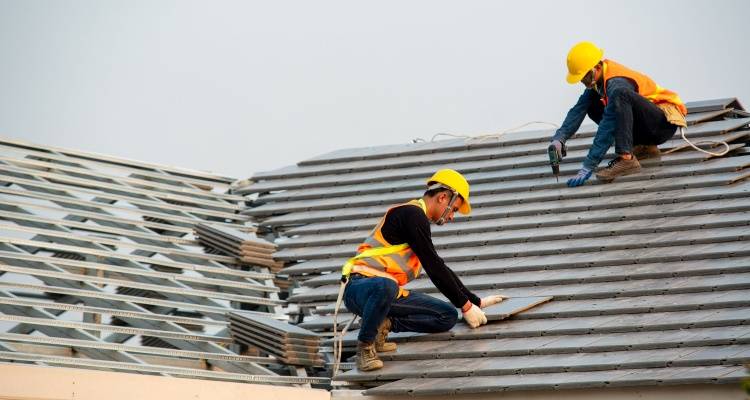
point(638, 121)
point(374, 299)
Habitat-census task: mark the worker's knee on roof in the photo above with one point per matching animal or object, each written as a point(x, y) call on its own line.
point(447, 317)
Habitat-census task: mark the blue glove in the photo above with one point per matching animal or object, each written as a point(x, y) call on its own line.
point(581, 177)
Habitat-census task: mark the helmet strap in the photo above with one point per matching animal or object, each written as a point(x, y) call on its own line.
point(448, 208)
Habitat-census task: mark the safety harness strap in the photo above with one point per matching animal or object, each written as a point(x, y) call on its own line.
point(346, 270)
point(373, 252)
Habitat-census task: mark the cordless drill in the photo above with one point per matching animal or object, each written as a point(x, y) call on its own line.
point(554, 160)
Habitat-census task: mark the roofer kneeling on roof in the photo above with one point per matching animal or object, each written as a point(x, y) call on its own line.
point(393, 255)
point(631, 110)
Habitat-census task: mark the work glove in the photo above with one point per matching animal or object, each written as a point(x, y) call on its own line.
point(581, 177)
point(475, 316)
point(559, 146)
point(491, 300)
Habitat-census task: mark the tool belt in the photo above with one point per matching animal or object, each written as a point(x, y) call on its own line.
point(673, 114)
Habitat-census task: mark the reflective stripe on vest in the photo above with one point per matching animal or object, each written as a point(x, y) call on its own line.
point(377, 257)
point(646, 86)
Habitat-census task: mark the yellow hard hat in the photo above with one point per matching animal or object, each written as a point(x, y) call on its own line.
point(581, 59)
point(455, 181)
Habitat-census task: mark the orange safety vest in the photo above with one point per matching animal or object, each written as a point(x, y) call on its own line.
point(401, 266)
point(646, 86)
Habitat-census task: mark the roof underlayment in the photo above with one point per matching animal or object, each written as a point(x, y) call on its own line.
point(650, 274)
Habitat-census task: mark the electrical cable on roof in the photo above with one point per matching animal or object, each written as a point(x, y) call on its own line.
point(498, 135)
point(483, 136)
point(435, 136)
point(694, 146)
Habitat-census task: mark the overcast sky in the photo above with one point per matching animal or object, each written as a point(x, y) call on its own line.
point(238, 87)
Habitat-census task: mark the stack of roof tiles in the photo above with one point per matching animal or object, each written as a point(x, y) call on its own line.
point(650, 274)
point(289, 343)
point(242, 246)
point(97, 252)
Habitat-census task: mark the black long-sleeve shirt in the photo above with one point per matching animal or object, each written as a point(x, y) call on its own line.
point(409, 224)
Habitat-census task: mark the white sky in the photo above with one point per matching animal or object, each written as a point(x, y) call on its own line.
point(238, 87)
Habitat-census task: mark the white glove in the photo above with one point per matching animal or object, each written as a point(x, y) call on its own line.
point(475, 316)
point(492, 300)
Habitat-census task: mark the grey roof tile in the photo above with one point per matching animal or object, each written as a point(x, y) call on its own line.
point(492, 186)
point(694, 118)
point(564, 344)
point(646, 377)
point(625, 240)
point(630, 340)
point(622, 323)
point(731, 375)
point(649, 271)
point(456, 156)
point(712, 105)
point(551, 363)
point(513, 306)
point(726, 164)
point(565, 380)
point(637, 287)
point(579, 228)
point(713, 336)
point(715, 355)
point(722, 317)
point(514, 199)
point(710, 374)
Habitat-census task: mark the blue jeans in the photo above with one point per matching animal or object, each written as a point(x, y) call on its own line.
point(628, 119)
point(374, 299)
point(637, 121)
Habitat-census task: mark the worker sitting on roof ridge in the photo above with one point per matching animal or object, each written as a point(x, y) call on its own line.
point(377, 274)
point(631, 110)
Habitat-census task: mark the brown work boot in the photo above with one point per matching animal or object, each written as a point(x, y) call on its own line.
point(618, 167)
point(380, 344)
point(644, 151)
point(367, 358)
